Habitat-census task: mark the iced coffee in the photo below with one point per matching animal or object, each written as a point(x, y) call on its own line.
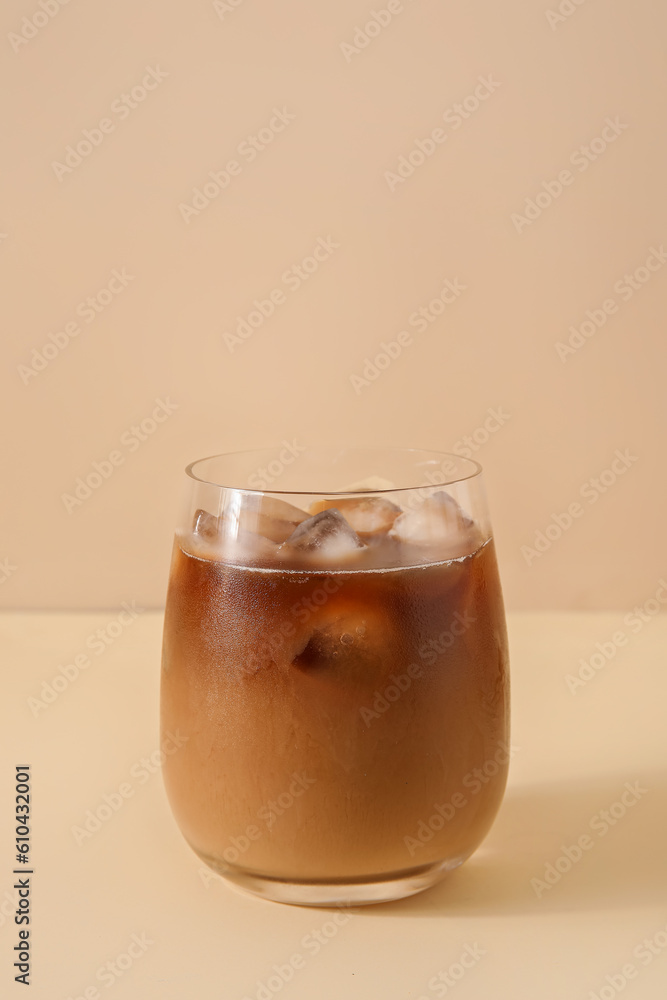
point(337, 671)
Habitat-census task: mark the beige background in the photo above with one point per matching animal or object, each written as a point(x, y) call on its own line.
point(324, 175)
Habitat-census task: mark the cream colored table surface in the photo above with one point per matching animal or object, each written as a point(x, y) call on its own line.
point(136, 876)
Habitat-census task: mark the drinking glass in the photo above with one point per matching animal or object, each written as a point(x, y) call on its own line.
point(335, 663)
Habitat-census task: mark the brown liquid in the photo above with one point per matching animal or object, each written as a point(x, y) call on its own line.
point(334, 720)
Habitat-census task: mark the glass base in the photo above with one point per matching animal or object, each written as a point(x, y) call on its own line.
point(360, 891)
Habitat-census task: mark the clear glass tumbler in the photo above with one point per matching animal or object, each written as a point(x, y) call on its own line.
point(335, 663)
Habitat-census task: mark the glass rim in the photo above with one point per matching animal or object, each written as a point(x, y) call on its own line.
point(475, 467)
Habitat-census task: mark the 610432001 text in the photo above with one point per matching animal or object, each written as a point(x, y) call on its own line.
point(22, 885)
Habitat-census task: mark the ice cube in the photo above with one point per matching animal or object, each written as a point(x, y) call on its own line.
point(222, 538)
point(206, 536)
point(438, 522)
point(368, 516)
point(350, 635)
point(327, 534)
point(268, 516)
point(249, 547)
point(206, 525)
point(326, 646)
